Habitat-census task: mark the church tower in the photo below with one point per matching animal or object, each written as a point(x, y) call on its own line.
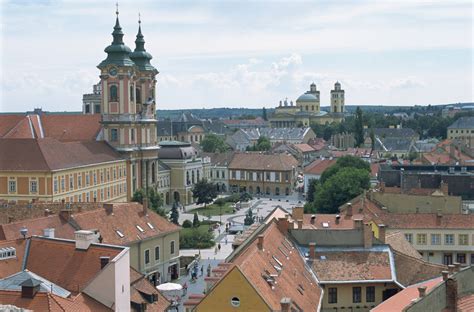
point(337, 99)
point(128, 107)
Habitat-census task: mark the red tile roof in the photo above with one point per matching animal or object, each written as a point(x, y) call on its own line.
point(36, 226)
point(399, 243)
point(141, 290)
point(259, 161)
point(344, 222)
point(304, 148)
point(50, 154)
point(318, 166)
point(67, 266)
point(253, 262)
point(466, 303)
point(336, 266)
point(411, 270)
point(67, 127)
point(8, 122)
point(402, 299)
point(12, 265)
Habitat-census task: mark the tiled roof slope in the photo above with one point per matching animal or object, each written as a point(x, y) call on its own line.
point(8, 122)
point(413, 270)
point(406, 296)
point(219, 159)
point(352, 265)
point(50, 154)
point(66, 127)
point(12, 265)
point(125, 218)
point(36, 226)
point(463, 123)
point(319, 165)
point(140, 288)
point(66, 266)
point(398, 243)
point(258, 161)
point(253, 263)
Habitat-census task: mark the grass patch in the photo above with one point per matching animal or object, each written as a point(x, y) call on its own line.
point(196, 238)
point(215, 210)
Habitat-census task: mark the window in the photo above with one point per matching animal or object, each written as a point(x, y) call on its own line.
point(233, 174)
point(267, 176)
point(87, 179)
point(131, 93)
point(235, 302)
point(113, 93)
point(71, 182)
point(447, 259)
point(138, 96)
point(12, 186)
point(332, 295)
point(463, 239)
point(223, 174)
point(97, 109)
point(33, 186)
point(277, 176)
point(172, 247)
point(435, 239)
point(147, 256)
point(88, 197)
point(356, 294)
point(421, 239)
point(79, 180)
point(63, 183)
point(409, 237)
point(461, 258)
point(55, 185)
point(370, 294)
point(95, 178)
point(115, 174)
point(102, 176)
point(132, 135)
point(449, 239)
point(157, 253)
point(114, 135)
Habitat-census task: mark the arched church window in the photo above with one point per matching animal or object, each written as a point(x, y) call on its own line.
point(113, 93)
point(131, 93)
point(138, 96)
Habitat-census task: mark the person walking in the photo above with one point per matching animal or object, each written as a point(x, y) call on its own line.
point(219, 246)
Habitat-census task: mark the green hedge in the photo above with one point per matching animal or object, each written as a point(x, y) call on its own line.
point(196, 238)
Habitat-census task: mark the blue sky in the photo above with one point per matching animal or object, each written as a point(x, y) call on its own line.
point(242, 53)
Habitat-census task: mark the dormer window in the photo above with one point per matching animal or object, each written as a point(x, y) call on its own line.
point(140, 228)
point(120, 234)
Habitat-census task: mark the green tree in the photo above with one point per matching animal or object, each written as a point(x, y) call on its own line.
point(264, 114)
point(196, 221)
point(359, 128)
point(213, 144)
point(312, 185)
point(339, 188)
point(348, 161)
point(204, 192)
point(263, 144)
point(174, 216)
point(155, 201)
point(412, 155)
point(248, 217)
point(372, 138)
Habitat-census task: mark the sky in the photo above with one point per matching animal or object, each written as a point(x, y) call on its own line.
point(242, 53)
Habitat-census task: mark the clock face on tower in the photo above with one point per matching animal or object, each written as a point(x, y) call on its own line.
point(113, 71)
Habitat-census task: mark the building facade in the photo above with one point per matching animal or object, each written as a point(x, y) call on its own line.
point(91, 101)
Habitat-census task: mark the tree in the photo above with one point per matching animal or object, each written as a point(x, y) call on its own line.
point(204, 192)
point(312, 185)
point(372, 138)
point(344, 162)
point(154, 199)
point(248, 217)
point(264, 114)
point(196, 221)
point(174, 216)
point(412, 156)
point(339, 188)
point(263, 144)
point(213, 144)
point(359, 128)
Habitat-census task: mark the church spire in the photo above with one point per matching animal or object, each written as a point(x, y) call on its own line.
point(140, 56)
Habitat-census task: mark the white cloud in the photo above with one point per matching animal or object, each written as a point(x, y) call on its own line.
point(407, 83)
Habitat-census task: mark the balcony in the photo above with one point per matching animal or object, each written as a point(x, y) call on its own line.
point(140, 117)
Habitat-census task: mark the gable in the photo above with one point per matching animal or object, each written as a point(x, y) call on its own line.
point(219, 297)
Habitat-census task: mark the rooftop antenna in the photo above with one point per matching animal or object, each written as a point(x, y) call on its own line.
point(24, 231)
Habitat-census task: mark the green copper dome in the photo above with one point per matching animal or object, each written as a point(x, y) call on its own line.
point(140, 56)
point(117, 53)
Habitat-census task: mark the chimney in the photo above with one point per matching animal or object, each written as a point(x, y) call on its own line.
point(297, 213)
point(451, 294)
point(260, 242)
point(457, 267)
point(104, 261)
point(84, 239)
point(349, 210)
point(313, 218)
point(358, 223)
point(422, 291)
point(338, 217)
point(29, 288)
point(283, 225)
point(451, 268)
point(145, 206)
point(65, 214)
point(300, 224)
point(285, 304)
point(382, 233)
point(312, 251)
point(367, 236)
point(445, 275)
point(109, 208)
point(48, 232)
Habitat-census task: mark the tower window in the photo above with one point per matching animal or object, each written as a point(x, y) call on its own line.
point(131, 93)
point(87, 110)
point(97, 109)
point(138, 96)
point(114, 135)
point(113, 93)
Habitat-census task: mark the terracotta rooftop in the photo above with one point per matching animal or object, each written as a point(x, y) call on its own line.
point(304, 148)
point(259, 161)
point(12, 265)
point(36, 226)
point(333, 266)
point(319, 165)
point(67, 266)
point(398, 243)
point(50, 302)
point(141, 291)
point(403, 298)
point(295, 280)
point(466, 303)
point(413, 270)
point(327, 221)
point(50, 154)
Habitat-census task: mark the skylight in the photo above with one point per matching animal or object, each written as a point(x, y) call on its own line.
point(140, 228)
point(278, 261)
point(120, 234)
point(150, 225)
point(325, 224)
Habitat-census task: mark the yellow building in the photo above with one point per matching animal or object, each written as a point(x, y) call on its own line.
point(307, 110)
point(49, 170)
point(462, 130)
